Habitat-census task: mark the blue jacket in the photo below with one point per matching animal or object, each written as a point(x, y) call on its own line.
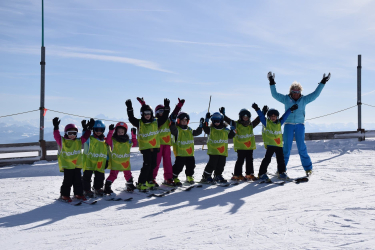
point(298, 116)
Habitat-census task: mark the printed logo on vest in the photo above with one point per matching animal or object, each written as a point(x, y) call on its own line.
point(247, 144)
point(100, 165)
point(166, 139)
point(221, 149)
point(278, 141)
point(245, 136)
point(165, 130)
point(74, 162)
point(153, 142)
point(149, 134)
point(125, 164)
point(189, 150)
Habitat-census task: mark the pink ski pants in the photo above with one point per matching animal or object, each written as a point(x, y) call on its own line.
point(165, 152)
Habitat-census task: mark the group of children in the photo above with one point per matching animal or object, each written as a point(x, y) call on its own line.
point(156, 134)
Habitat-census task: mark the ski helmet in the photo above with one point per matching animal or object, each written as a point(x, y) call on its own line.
point(121, 125)
point(99, 125)
point(159, 107)
point(146, 108)
point(70, 127)
point(182, 115)
point(273, 112)
point(217, 117)
point(244, 112)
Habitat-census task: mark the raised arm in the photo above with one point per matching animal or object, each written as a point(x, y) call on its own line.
point(165, 115)
point(260, 114)
point(108, 139)
point(312, 96)
point(134, 137)
point(178, 106)
point(134, 121)
point(206, 128)
point(274, 93)
point(198, 131)
point(226, 118)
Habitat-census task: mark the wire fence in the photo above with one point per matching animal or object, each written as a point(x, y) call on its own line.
point(190, 122)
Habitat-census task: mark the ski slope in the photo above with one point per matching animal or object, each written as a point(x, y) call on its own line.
point(334, 210)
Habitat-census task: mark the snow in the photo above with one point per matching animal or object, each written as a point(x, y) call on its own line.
point(334, 210)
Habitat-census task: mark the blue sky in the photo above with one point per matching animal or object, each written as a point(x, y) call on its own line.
point(100, 53)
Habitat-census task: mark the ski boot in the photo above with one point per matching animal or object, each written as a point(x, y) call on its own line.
point(150, 185)
point(251, 177)
point(107, 188)
point(99, 192)
point(66, 198)
point(207, 179)
point(129, 185)
point(80, 197)
point(220, 179)
point(284, 176)
point(155, 183)
point(264, 177)
point(142, 187)
point(190, 179)
point(309, 172)
point(238, 178)
point(169, 182)
point(177, 182)
point(88, 193)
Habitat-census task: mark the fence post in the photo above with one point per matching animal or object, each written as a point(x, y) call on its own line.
point(359, 98)
point(43, 147)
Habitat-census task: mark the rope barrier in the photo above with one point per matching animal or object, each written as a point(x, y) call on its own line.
point(20, 113)
point(331, 113)
point(81, 116)
point(368, 105)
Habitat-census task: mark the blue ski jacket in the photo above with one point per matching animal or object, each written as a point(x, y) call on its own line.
point(298, 115)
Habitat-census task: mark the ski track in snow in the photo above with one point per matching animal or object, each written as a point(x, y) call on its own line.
point(334, 210)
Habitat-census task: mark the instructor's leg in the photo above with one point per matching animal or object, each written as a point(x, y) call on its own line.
point(302, 150)
point(288, 141)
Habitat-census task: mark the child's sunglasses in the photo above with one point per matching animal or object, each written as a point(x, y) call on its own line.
point(158, 111)
point(216, 121)
point(147, 112)
point(99, 130)
point(71, 132)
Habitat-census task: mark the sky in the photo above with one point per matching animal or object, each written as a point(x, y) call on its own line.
point(101, 53)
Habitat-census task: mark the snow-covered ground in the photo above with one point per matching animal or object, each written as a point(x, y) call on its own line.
point(334, 210)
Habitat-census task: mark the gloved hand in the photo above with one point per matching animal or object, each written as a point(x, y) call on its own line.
point(84, 124)
point(325, 78)
point(128, 104)
point(208, 116)
point(201, 122)
point(111, 127)
point(91, 123)
point(180, 103)
point(133, 131)
point(294, 107)
point(173, 117)
point(166, 102)
point(222, 110)
point(232, 126)
point(56, 123)
point(141, 101)
point(265, 109)
point(271, 78)
point(255, 106)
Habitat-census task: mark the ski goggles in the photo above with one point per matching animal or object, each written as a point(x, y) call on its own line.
point(159, 111)
point(147, 112)
point(216, 121)
point(99, 130)
point(295, 92)
point(71, 132)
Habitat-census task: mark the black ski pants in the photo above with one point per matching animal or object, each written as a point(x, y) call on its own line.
point(216, 164)
point(241, 156)
point(72, 177)
point(281, 168)
point(98, 180)
point(149, 164)
point(180, 162)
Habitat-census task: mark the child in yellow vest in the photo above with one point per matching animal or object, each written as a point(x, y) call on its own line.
point(183, 146)
point(148, 139)
point(244, 143)
point(273, 140)
point(70, 159)
point(119, 156)
point(94, 159)
point(217, 147)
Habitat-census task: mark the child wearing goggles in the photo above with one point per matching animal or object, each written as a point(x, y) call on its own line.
point(148, 139)
point(70, 159)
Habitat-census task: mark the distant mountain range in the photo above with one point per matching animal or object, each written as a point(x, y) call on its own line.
point(13, 131)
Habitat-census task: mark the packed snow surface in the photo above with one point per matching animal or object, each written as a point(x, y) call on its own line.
point(334, 210)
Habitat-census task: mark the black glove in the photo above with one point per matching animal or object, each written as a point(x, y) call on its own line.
point(201, 122)
point(325, 78)
point(56, 123)
point(166, 102)
point(294, 107)
point(84, 124)
point(208, 116)
point(91, 124)
point(255, 106)
point(111, 127)
point(271, 78)
point(265, 109)
point(134, 131)
point(128, 104)
point(222, 110)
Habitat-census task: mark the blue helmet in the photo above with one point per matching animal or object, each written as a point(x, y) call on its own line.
point(217, 117)
point(99, 124)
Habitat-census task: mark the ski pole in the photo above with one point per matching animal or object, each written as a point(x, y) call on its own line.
point(204, 136)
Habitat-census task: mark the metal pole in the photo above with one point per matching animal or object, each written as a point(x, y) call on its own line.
point(209, 105)
point(42, 90)
point(359, 96)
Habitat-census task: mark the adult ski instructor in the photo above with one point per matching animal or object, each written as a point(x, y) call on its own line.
point(294, 124)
